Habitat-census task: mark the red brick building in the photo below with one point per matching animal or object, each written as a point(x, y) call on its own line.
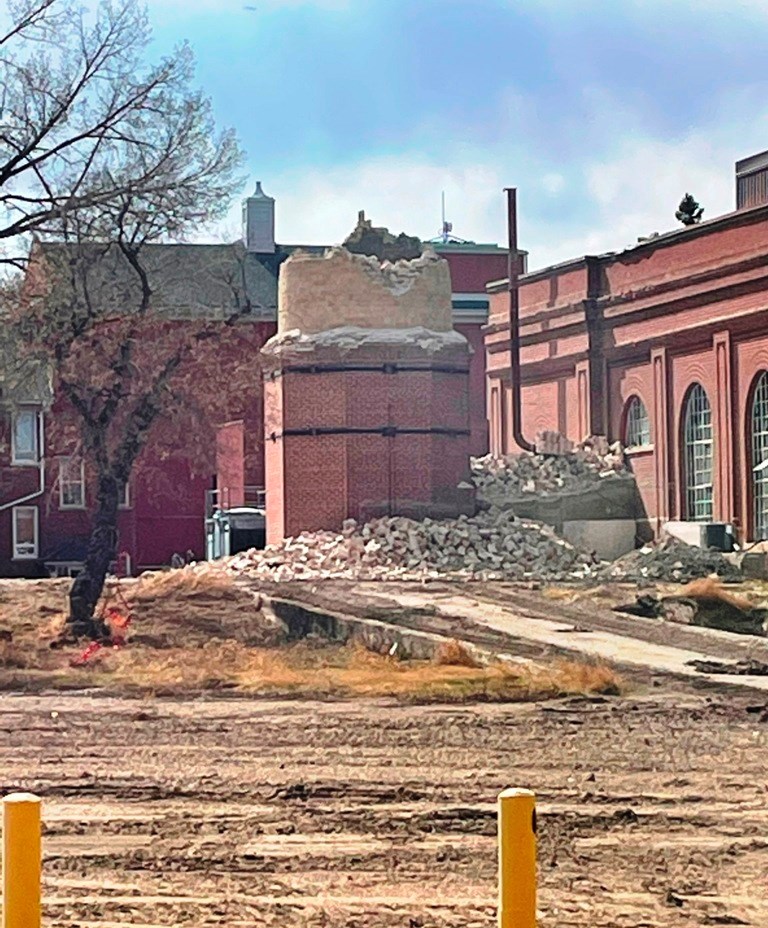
point(45, 496)
point(663, 346)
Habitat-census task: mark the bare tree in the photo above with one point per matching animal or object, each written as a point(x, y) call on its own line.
point(103, 159)
point(85, 123)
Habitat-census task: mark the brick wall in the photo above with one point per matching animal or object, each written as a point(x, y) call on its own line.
point(315, 481)
point(651, 322)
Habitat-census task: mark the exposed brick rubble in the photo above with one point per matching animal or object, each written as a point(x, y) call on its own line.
point(492, 545)
point(672, 561)
point(367, 239)
point(520, 475)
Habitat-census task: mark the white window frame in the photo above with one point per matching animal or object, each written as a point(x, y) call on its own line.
point(34, 459)
point(66, 480)
point(124, 499)
point(635, 412)
point(34, 553)
point(698, 456)
point(758, 427)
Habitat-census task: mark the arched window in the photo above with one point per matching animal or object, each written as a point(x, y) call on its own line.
point(697, 455)
point(759, 429)
point(637, 428)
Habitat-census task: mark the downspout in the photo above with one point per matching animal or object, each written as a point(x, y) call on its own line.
point(513, 285)
point(41, 469)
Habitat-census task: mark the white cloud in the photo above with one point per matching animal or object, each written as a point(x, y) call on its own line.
point(553, 184)
point(630, 187)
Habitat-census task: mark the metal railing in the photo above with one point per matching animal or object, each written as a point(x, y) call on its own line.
point(225, 498)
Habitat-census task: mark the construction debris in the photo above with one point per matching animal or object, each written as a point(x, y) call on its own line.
point(501, 480)
point(704, 603)
point(670, 561)
point(492, 545)
point(744, 668)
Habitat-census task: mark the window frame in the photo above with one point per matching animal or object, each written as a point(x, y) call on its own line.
point(65, 462)
point(758, 441)
point(691, 463)
point(636, 402)
point(125, 501)
point(35, 554)
point(27, 461)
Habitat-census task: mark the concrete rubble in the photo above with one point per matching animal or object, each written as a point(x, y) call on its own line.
point(517, 476)
point(492, 545)
point(671, 561)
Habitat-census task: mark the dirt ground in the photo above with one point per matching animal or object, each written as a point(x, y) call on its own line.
point(241, 812)
point(223, 808)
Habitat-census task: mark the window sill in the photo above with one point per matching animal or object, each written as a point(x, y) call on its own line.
point(16, 462)
point(25, 557)
point(65, 508)
point(639, 450)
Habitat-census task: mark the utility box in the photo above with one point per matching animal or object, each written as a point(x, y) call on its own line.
point(717, 535)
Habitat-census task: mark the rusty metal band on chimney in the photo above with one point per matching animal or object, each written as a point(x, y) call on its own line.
point(513, 285)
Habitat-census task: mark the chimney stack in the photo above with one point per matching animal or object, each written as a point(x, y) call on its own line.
point(259, 222)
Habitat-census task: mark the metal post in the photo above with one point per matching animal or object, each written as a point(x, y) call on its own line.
point(517, 859)
point(21, 861)
point(513, 286)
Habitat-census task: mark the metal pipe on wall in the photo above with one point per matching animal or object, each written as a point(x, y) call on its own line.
point(513, 285)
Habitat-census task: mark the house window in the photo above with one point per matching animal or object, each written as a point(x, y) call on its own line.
point(637, 431)
point(759, 428)
point(698, 452)
point(25, 533)
point(25, 437)
point(124, 496)
point(71, 484)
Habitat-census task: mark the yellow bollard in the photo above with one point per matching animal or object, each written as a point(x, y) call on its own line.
point(517, 859)
point(21, 861)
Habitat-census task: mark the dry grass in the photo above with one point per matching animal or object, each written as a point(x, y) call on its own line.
point(342, 671)
point(197, 631)
point(709, 590)
point(455, 653)
point(190, 583)
point(568, 595)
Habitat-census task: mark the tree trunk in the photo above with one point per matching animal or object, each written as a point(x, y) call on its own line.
point(102, 549)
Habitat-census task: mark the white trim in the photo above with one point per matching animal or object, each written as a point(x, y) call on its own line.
point(34, 460)
point(66, 462)
point(29, 555)
point(126, 502)
point(479, 295)
point(470, 316)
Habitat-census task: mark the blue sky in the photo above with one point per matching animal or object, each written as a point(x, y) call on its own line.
point(602, 113)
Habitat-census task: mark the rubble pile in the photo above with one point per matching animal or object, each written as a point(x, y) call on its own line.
point(492, 545)
point(517, 476)
point(670, 561)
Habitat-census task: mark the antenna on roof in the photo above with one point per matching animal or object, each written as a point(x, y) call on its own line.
point(445, 236)
point(447, 227)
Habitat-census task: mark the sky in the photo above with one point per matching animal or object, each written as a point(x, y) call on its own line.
point(602, 113)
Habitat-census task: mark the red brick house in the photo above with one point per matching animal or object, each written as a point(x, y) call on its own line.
point(44, 492)
point(664, 346)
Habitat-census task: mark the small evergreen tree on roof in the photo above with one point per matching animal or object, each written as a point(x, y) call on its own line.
point(689, 212)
